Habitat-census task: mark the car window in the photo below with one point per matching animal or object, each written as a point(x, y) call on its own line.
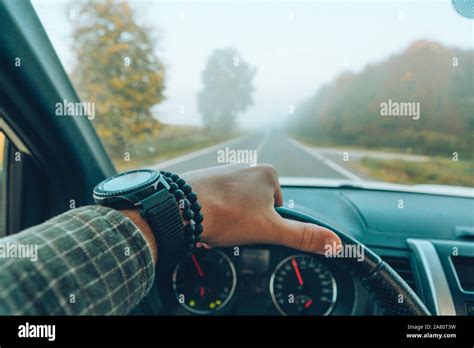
point(3, 181)
point(17, 171)
point(340, 90)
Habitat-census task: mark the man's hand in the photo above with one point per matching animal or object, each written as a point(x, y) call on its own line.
point(238, 206)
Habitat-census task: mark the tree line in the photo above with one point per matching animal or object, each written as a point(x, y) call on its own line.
point(349, 110)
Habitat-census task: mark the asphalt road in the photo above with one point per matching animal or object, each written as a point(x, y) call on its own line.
point(288, 156)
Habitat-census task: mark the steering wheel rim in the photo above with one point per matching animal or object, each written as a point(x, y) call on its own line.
point(389, 291)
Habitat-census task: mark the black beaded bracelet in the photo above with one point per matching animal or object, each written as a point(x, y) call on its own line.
point(191, 209)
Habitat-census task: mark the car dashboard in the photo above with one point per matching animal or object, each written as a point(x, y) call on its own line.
point(426, 238)
point(257, 280)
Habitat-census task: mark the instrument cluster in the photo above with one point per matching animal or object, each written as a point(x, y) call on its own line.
point(257, 280)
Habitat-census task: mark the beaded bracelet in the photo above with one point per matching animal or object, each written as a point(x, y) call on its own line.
point(191, 209)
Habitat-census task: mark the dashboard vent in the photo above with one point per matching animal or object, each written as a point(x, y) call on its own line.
point(464, 266)
point(403, 267)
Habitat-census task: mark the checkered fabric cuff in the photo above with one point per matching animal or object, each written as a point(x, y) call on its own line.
point(87, 261)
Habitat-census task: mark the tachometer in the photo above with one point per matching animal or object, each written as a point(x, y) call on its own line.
point(302, 285)
point(204, 282)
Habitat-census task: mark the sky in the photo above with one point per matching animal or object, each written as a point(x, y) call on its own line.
point(296, 46)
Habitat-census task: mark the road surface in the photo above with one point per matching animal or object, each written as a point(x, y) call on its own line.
point(291, 158)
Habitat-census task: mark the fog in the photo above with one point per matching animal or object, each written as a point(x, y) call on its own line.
point(295, 47)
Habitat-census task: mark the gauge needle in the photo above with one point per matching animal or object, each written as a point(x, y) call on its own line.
point(308, 303)
point(198, 266)
point(201, 291)
point(297, 271)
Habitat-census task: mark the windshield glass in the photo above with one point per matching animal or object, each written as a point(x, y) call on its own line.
point(342, 90)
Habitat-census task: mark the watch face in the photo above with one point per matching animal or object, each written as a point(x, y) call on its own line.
point(127, 182)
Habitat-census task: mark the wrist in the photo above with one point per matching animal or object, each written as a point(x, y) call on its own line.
point(144, 228)
point(161, 205)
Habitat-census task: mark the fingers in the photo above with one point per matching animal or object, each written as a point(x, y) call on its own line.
point(298, 235)
point(203, 245)
point(278, 197)
point(306, 237)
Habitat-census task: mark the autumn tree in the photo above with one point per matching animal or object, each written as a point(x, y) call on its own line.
point(347, 110)
point(118, 70)
point(227, 89)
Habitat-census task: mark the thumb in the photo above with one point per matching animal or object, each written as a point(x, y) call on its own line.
point(306, 237)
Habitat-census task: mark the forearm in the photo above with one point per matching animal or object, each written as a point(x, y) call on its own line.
point(91, 260)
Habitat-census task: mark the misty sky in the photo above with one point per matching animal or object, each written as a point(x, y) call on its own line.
point(296, 47)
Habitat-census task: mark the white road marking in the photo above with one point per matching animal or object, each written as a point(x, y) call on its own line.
point(314, 153)
point(188, 156)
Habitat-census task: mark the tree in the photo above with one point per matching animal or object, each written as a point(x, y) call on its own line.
point(118, 70)
point(348, 110)
point(227, 90)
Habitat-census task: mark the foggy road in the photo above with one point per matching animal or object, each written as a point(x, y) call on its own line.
point(288, 156)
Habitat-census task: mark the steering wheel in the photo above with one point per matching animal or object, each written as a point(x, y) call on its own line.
point(390, 292)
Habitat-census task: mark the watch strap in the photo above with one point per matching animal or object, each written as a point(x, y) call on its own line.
point(167, 227)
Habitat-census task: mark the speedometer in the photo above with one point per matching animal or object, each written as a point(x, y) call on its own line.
point(204, 282)
point(302, 285)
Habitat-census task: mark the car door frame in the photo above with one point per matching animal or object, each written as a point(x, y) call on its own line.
point(65, 158)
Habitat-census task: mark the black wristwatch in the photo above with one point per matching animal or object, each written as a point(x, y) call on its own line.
point(154, 194)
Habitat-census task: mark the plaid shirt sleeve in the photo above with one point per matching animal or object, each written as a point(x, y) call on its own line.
point(89, 261)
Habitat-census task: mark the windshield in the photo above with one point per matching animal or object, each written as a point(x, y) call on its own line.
point(342, 90)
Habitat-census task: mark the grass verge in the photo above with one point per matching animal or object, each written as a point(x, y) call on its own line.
point(438, 171)
point(172, 141)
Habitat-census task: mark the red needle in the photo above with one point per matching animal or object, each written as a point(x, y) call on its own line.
point(201, 291)
point(297, 271)
point(198, 267)
point(308, 303)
